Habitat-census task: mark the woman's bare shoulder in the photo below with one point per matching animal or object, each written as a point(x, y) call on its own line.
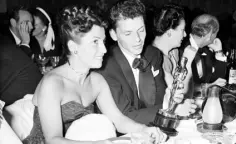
point(51, 83)
point(98, 80)
point(97, 77)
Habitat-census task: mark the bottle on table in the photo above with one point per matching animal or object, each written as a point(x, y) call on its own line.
point(231, 70)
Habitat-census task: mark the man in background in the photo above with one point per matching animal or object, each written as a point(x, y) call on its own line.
point(19, 28)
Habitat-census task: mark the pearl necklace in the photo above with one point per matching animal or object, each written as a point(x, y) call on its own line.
point(77, 72)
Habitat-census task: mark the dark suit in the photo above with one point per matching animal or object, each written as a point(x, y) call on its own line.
point(118, 73)
point(212, 68)
point(7, 33)
point(18, 74)
point(209, 62)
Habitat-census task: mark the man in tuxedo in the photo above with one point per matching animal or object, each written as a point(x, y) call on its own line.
point(18, 74)
point(209, 64)
point(134, 74)
point(19, 28)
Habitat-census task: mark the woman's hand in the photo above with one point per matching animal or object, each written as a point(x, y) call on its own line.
point(155, 135)
point(187, 108)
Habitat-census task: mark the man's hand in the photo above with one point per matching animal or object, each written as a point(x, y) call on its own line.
point(187, 108)
point(24, 31)
point(216, 45)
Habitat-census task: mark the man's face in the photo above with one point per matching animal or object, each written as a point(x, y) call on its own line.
point(38, 26)
point(209, 38)
point(178, 34)
point(130, 35)
point(25, 18)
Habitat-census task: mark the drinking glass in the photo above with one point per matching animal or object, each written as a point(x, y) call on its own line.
point(42, 61)
point(54, 61)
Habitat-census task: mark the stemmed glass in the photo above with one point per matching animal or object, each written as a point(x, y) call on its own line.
point(42, 61)
point(54, 60)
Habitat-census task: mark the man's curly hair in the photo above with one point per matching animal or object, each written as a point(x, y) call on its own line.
point(124, 9)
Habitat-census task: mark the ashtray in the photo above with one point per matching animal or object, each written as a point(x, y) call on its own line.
point(205, 127)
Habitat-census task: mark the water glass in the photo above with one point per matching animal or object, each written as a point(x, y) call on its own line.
point(42, 61)
point(54, 60)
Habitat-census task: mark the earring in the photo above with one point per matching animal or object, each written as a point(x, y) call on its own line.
point(75, 52)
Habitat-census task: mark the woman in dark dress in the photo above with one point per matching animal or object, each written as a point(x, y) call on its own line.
point(67, 93)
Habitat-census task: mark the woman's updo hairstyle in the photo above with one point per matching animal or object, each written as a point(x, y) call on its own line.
point(75, 21)
point(168, 17)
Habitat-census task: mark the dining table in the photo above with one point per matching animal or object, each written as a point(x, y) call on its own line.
point(189, 132)
point(7, 135)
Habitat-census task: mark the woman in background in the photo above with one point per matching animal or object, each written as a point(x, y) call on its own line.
point(68, 92)
point(169, 31)
point(44, 40)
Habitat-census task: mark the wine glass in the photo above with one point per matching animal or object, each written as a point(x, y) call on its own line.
point(54, 61)
point(42, 61)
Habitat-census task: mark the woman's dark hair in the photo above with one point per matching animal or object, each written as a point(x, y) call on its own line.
point(41, 16)
point(168, 17)
point(76, 20)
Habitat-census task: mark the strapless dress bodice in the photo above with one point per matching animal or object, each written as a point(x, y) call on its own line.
point(70, 111)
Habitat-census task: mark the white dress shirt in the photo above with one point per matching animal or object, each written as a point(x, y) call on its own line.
point(198, 62)
point(135, 71)
point(17, 40)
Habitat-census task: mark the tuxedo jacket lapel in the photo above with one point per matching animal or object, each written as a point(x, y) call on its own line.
point(147, 88)
point(128, 74)
point(207, 65)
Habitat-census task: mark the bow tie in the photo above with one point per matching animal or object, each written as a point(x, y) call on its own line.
point(203, 50)
point(140, 63)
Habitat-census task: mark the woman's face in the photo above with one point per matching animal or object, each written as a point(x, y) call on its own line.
point(91, 48)
point(39, 27)
point(178, 34)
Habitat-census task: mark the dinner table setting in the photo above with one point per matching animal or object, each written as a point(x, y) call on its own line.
point(7, 135)
point(46, 64)
point(203, 127)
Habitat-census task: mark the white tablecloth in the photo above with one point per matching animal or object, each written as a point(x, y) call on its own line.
point(188, 134)
point(7, 135)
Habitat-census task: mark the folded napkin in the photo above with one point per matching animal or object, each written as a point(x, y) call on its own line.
point(91, 127)
point(21, 112)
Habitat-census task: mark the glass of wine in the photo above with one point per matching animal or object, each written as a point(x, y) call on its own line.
point(42, 61)
point(54, 61)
